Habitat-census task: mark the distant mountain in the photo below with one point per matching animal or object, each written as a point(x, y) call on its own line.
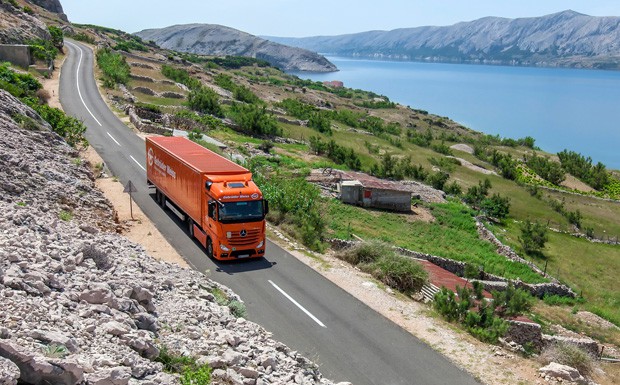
point(567, 38)
point(217, 40)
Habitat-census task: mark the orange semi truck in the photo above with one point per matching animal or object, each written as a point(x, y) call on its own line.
point(220, 204)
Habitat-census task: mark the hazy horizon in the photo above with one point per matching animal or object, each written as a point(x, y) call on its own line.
point(288, 18)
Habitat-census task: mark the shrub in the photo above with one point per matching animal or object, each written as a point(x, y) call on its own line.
point(533, 237)
point(191, 373)
point(570, 355)
point(255, 120)
point(71, 129)
point(496, 206)
point(547, 169)
point(483, 324)
point(582, 168)
point(437, 179)
point(292, 200)
point(512, 301)
point(320, 122)
point(205, 100)
point(453, 189)
point(114, 67)
point(57, 36)
point(55, 351)
point(401, 273)
point(65, 215)
point(237, 309)
point(366, 252)
point(180, 75)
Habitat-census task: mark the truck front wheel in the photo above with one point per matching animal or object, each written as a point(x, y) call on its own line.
point(209, 248)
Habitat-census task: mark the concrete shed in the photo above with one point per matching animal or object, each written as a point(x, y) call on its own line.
point(375, 194)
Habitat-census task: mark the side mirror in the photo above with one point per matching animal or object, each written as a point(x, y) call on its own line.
point(212, 209)
point(266, 207)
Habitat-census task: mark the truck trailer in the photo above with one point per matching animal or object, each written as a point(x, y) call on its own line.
point(216, 198)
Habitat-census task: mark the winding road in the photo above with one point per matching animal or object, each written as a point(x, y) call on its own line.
point(307, 312)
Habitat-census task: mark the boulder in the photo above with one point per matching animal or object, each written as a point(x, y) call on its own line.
point(564, 372)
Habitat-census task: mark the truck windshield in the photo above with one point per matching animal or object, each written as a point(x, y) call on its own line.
point(246, 211)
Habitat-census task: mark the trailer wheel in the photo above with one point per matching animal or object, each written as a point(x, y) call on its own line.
point(209, 247)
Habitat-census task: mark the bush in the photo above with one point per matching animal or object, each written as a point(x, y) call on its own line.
point(533, 237)
point(548, 170)
point(570, 355)
point(191, 373)
point(483, 324)
point(57, 36)
point(582, 168)
point(114, 67)
point(71, 129)
point(237, 309)
point(401, 273)
point(438, 179)
point(18, 85)
point(180, 75)
point(366, 252)
point(294, 201)
point(496, 206)
point(204, 100)
point(512, 301)
point(255, 120)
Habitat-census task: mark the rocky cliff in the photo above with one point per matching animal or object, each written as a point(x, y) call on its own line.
point(82, 305)
point(217, 40)
point(17, 27)
point(562, 39)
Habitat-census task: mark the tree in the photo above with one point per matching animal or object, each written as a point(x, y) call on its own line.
point(204, 100)
point(496, 206)
point(533, 237)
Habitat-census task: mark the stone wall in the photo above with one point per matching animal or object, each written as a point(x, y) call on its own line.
point(145, 125)
point(17, 54)
point(523, 333)
point(490, 281)
point(588, 345)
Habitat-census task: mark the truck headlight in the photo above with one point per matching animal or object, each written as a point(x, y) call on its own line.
point(260, 244)
point(224, 248)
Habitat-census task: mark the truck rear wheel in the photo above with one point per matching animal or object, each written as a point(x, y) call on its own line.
point(209, 248)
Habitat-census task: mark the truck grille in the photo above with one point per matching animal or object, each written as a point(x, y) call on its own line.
point(252, 238)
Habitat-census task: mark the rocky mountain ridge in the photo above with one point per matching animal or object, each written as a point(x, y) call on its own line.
point(83, 305)
point(566, 38)
point(18, 27)
point(217, 40)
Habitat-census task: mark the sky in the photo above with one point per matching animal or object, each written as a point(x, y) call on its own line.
point(291, 18)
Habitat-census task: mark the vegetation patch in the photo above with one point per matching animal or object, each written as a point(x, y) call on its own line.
point(381, 261)
point(190, 371)
point(114, 68)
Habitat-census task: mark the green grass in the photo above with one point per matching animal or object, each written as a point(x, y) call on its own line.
point(159, 101)
point(452, 235)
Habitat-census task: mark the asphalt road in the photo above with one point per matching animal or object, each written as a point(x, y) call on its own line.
point(310, 314)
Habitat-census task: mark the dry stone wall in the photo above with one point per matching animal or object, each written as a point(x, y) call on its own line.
point(81, 305)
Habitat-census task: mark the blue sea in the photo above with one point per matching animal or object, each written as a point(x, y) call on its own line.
point(562, 109)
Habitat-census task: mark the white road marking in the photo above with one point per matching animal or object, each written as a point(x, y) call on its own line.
point(115, 141)
point(298, 305)
point(77, 78)
point(138, 163)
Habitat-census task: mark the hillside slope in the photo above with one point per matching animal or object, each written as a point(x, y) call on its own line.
point(217, 40)
point(81, 304)
point(566, 38)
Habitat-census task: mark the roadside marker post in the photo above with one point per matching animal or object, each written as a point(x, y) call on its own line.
point(130, 188)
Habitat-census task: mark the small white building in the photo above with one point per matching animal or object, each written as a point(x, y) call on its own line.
point(375, 193)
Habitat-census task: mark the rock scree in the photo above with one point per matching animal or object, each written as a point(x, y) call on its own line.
point(83, 305)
